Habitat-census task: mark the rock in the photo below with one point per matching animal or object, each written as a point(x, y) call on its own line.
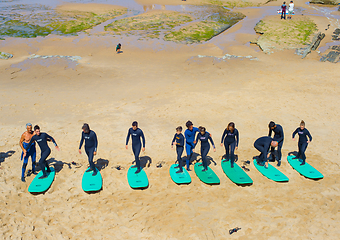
point(326, 2)
point(5, 55)
point(314, 44)
point(336, 48)
point(332, 56)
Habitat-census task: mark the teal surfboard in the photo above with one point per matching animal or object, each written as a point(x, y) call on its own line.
point(235, 174)
point(271, 172)
point(208, 177)
point(41, 185)
point(179, 178)
point(305, 170)
point(91, 183)
point(137, 180)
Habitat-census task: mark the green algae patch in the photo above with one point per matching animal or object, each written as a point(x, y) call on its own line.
point(16, 28)
point(149, 24)
point(233, 4)
point(206, 29)
point(278, 34)
point(71, 22)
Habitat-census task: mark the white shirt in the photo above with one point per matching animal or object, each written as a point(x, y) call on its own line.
point(291, 7)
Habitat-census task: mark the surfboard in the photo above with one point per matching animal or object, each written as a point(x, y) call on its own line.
point(91, 183)
point(179, 178)
point(137, 180)
point(41, 185)
point(208, 177)
point(271, 172)
point(235, 174)
point(305, 170)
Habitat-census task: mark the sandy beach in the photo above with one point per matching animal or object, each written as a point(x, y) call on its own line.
point(162, 86)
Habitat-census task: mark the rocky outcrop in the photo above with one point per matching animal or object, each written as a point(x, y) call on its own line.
point(314, 44)
point(5, 55)
point(325, 2)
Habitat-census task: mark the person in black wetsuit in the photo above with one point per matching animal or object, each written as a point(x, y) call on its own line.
point(303, 142)
point(178, 140)
point(231, 139)
point(204, 136)
point(91, 145)
point(279, 137)
point(263, 144)
point(136, 133)
point(41, 139)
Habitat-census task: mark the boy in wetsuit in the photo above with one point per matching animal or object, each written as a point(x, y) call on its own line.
point(41, 139)
point(263, 144)
point(303, 142)
point(279, 137)
point(31, 152)
point(204, 136)
point(190, 135)
point(231, 139)
point(136, 134)
point(178, 140)
point(91, 145)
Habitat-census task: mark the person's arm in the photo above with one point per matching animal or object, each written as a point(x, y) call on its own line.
point(95, 142)
point(196, 141)
point(22, 139)
point(127, 137)
point(237, 138)
point(173, 140)
point(309, 135)
point(223, 135)
point(81, 140)
point(143, 138)
point(294, 133)
point(270, 132)
point(52, 139)
point(282, 135)
point(212, 142)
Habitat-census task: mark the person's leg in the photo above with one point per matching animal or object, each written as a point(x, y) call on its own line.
point(279, 153)
point(136, 151)
point(179, 158)
point(188, 148)
point(23, 169)
point(232, 156)
point(43, 163)
point(33, 156)
point(261, 157)
point(204, 153)
point(227, 146)
point(272, 153)
point(303, 150)
point(89, 153)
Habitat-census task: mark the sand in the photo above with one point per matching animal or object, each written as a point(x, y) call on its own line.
point(162, 90)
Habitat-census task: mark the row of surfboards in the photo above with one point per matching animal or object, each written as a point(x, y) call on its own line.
point(236, 174)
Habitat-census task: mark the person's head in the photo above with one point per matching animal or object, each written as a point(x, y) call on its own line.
point(272, 125)
point(274, 143)
point(231, 127)
point(284, 2)
point(135, 125)
point(29, 127)
point(291, 1)
point(179, 129)
point(37, 130)
point(189, 125)
point(119, 44)
point(86, 128)
point(202, 130)
point(302, 125)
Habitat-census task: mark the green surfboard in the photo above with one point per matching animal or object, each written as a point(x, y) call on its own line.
point(91, 183)
point(41, 185)
point(271, 172)
point(179, 178)
point(305, 170)
point(137, 180)
point(235, 174)
point(208, 177)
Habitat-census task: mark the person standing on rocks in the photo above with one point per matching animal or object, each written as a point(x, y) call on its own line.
point(283, 9)
point(290, 10)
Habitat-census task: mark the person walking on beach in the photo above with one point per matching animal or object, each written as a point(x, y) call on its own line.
point(263, 144)
point(190, 135)
point(204, 136)
point(231, 139)
point(279, 137)
point(283, 10)
point(31, 152)
point(303, 142)
point(290, 10)
point(42, 138)
point(118, 48)
point(91, 144)
point(136, 134)
point(178, 140)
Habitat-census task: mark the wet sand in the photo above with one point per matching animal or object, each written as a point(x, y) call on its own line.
point(162, 90)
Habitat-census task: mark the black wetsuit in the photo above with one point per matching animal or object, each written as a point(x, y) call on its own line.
point(136, 143)
point(91, 144)
point(262, 144)
point(205, 146)
point(45, 150)
point(302, 142)
point(231, 140)
point(179, 139)
point(279, 137)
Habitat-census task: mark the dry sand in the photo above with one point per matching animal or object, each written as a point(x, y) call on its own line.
point(161, 90)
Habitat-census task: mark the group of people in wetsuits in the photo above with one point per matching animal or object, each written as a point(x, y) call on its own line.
point(230, 138)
